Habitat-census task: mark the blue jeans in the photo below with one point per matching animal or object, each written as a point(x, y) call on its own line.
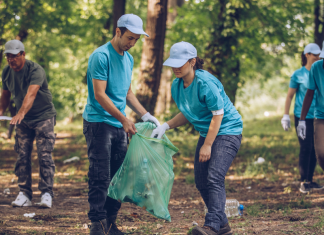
point(210, 176)
point(107, 147)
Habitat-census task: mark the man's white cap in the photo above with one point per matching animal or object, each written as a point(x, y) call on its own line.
point(312, 48)
point(322, 52)
point(180, 53)
point(132, 22)
point(14, 47)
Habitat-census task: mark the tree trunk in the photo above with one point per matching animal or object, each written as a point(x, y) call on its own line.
point(119, 10)
point(152, 55)
point(221, 52)
point(319, 22)
point(164, 98)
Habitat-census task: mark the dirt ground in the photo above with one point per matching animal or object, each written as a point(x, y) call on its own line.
point(271, 207)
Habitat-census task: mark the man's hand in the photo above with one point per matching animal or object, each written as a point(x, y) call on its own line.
point(17, 119)
point(160, 130)
point(204, 153)
point(301, 129)
point(129, 126)
point(285, 122)
point(149, 118)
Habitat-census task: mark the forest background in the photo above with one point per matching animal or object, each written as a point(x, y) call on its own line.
point(251, 46)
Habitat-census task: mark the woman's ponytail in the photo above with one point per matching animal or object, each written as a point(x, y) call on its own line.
point(199, 63)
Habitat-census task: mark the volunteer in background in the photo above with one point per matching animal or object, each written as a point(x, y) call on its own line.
point(298, 86)
point(315, 90)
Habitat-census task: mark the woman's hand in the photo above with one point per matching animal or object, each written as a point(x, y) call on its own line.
point(204, 153)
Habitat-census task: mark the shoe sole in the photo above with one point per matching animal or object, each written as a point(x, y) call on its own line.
point(317, 189)
point(43, 205)
point(303, 191)
point(24, 204)
point(198, 231)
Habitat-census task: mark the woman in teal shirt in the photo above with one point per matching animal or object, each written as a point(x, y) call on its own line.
point(298, 86)
point(203, 102)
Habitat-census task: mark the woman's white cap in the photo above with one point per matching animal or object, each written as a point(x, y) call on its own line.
point(132, 22)
point(322, 52)
point(180, 53)
point(312, 48)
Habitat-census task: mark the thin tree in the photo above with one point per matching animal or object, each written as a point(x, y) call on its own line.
point(319, 22)
point(119, 10)
point(152, 54)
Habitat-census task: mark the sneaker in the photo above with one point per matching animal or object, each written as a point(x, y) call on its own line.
point(316, 186)
point(112, 227)
point(205, 230)
point(99, 228)
point(46, 201)
point(305, 187)
point(21, 200)
point(225, 230)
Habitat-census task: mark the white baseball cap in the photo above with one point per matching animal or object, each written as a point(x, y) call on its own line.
point(132, 22)
point(14, 47)
point(312, 48)
point(322, 52)
point(180, 53)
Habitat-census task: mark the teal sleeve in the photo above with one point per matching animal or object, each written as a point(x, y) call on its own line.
point(311, 84)
point(99, 66)
point(212, 97)
point(293, 82)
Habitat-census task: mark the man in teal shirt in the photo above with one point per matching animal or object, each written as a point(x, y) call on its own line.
point(105, 124)
point(315, 83)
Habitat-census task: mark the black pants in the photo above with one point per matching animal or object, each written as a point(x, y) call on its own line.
point(307, 157)
point(107, 147)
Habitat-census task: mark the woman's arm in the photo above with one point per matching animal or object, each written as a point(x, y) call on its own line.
point(205, 150)
point(290, 95)
point(178, 120)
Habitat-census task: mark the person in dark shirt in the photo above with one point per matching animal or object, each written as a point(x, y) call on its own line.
point(25, 81)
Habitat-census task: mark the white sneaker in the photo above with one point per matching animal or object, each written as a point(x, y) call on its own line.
point(46, 201)
point(21, 200)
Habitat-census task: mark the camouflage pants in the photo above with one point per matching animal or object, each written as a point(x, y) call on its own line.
point(45, 139)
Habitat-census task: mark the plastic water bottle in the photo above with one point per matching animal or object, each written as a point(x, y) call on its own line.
point(232, 208)
point(140, 187)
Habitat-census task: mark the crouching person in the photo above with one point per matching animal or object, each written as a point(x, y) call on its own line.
point(26, 82)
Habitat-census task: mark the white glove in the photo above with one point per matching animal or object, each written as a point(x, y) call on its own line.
point(301, 129)
point(149, 118)
point(285, 122)
point(159, 131)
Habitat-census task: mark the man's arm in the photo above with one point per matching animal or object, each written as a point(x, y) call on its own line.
point(134, 104)
point(307, 103)
point(99, 87)
point(4, 101)
point(27, 104)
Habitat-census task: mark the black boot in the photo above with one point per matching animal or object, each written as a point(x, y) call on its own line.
point(112, 227)
point(99, 228)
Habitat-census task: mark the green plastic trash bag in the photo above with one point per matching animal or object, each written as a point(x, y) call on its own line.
point(146, 176)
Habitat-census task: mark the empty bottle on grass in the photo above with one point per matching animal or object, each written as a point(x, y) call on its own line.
point(232, 208)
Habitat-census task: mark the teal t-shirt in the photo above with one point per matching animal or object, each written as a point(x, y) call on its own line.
point(107, 65)
point(316, 82)
point(205, 94)
point(299, 81)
